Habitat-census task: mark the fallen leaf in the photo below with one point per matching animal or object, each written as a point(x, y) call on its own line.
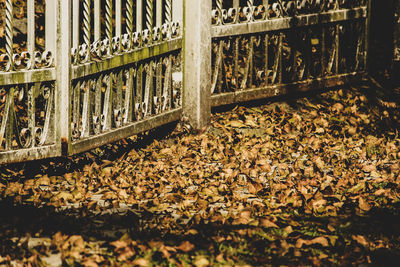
point(318, 240)
point(264, 222)
point(186, 246)
point(360, 239)
point(363, 205)
point(142, 262)
point(201, 261)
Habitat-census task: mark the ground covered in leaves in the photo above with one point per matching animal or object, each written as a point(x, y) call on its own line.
point(310, 181)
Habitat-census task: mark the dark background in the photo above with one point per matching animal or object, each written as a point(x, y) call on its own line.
point(382, 29)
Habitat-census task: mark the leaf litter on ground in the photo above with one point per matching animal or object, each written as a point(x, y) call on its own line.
point(313, 180)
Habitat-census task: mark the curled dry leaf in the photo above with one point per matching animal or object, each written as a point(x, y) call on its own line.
point(318, 240)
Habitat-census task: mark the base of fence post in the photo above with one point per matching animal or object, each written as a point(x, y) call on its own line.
point(197, 62)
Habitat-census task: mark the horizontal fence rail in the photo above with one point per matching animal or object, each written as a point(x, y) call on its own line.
point(77, 74)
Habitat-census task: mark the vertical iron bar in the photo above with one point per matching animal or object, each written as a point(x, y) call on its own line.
point(76, 108)
point(139, 15)
point(51, 26)
point(118, 23)
point(118, 107)
point(86, 110)
point(109, 25)
point(128, 96)
point(337, 44)
point(266, 41)
point(31, 30)
point(149, 14)
point(159, 15)
point(236, 62)
point(10, 118)
point(158, 95)
point(139, 93)
point(118, 18)
point(87, 26)
point(280, 51)
point(31, 89)
point(108, 103)
point(323, 51)
point(129, 17)
point(75, 24)
point(9, 32)
point(367, 36)
point(168, 11)
point(97, 104)
point(97, 23)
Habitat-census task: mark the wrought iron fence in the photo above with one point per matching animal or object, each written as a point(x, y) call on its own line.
point(94, 72)
point(266, 48)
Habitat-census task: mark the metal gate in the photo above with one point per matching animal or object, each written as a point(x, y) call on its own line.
point(93, 72)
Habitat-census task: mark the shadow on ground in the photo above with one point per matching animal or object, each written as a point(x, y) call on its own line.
point(254, 244)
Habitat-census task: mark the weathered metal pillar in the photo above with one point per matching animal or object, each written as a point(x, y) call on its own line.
point(63, 68)
point(197, 62)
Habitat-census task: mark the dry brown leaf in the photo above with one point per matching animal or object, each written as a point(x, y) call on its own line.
point(66, 196)
point(201, 261)
point(318, 240)
point(381, 191)
point(369, 168)
point(236, 124)
point(363, 204)
point(360, 239)
point(264, 222)
point(142, 262)
point(186, 246)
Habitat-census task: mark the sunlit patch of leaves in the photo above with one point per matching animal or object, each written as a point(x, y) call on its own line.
point(305, 181)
